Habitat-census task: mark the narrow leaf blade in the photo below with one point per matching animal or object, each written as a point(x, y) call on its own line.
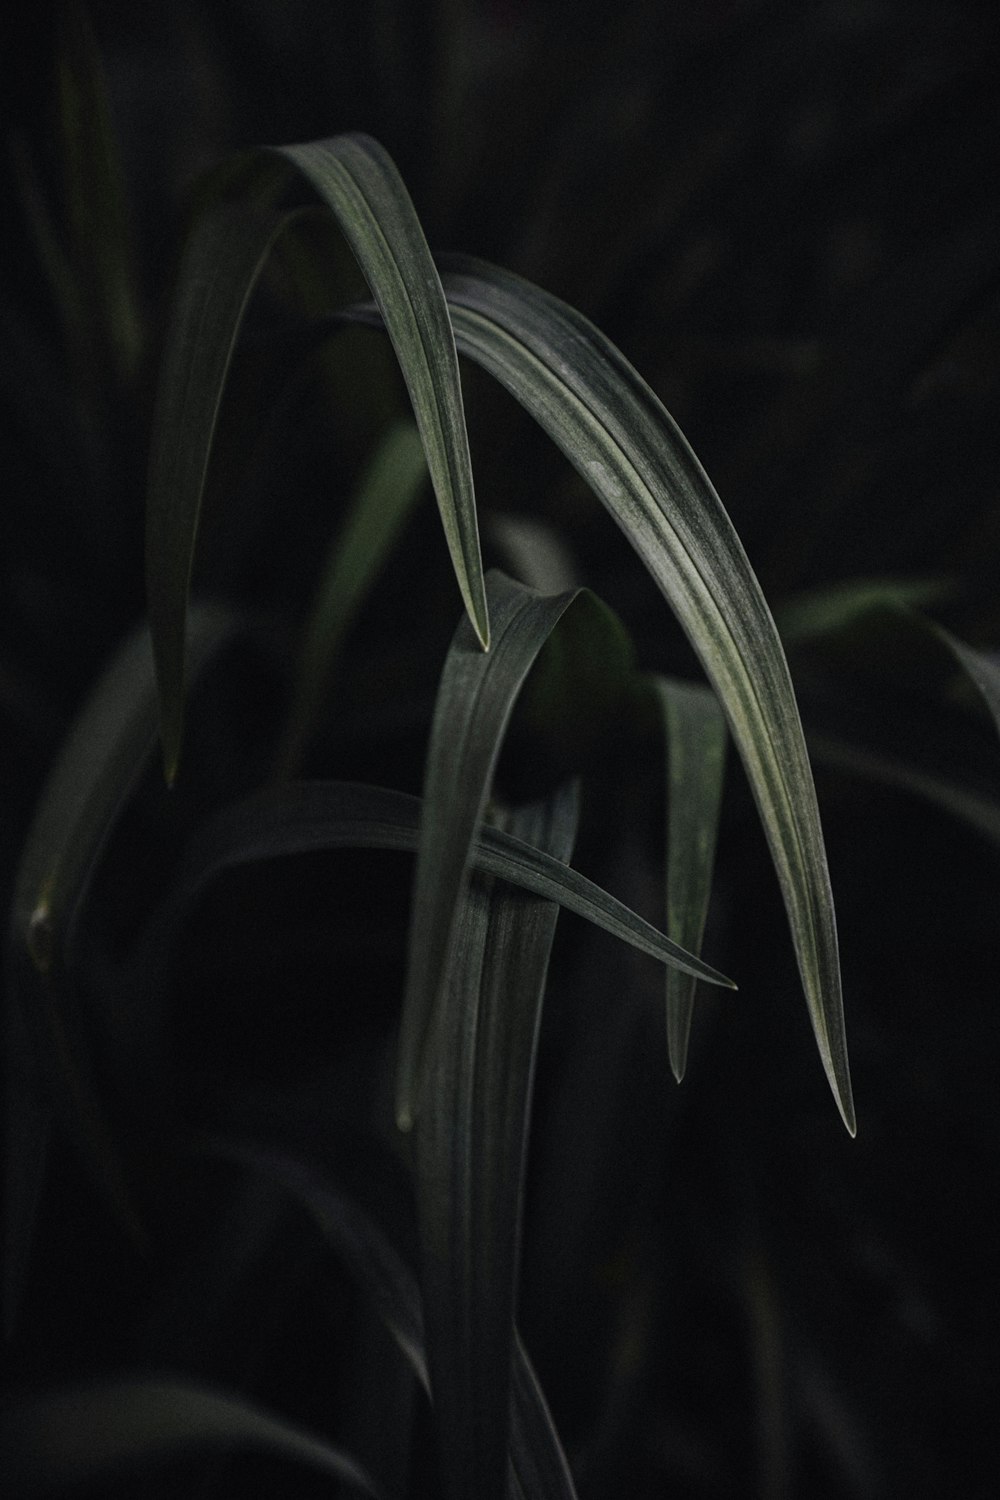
point(617, 434)
point(471, 1142)
point(221, 266)
point(309, 816)
point(106, 750)
point(696, 758)
point(95, 1431)
point(357, 180)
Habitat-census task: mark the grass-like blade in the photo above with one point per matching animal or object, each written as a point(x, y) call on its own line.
point(476, 697)
point(357, 180)
point(388, 489)
point(100, 252)
point(617, 434)
point(822, 612)
point(471, 1140)
point(305, 816)
point(105, 752)
point(106, 1428)
point(538, 1469)
point(222, 262)
point(696, 762)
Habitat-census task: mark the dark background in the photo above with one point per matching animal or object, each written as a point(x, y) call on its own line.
point(786, 216)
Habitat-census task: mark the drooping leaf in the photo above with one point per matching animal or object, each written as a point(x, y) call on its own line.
point(475, 700)
point(321, 815)
point(47, 1058)
point(538, 1469)
point(619, 437)
point(106, 1428)
point(222, 262)
point(696, 758)
point(471, 1141)
point(385, 497)
point(356, 178)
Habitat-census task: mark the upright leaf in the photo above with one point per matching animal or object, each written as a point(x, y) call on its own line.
point(471, 1143)
point(617, 434)
point(696, 757)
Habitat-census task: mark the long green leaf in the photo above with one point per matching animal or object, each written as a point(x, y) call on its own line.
point(99, 1430)
point(617, 434)
point(386, 494)
point(696, 761)
point(476, 697)
point(222, 262)
point(321, 815)
point(357, 180)
point(471, 1141)
point(106, 750)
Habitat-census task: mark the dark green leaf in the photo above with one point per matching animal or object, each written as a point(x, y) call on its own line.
point(357, 180)
point(471, 1141)
point(222, 262)
point(97, 1431)
point(538, 1468)
point(475, 700)
point(621, 440)
point(319, 815)
point(696, 761)
point(107, 748)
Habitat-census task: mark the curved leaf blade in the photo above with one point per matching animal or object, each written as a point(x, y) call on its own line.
point(357, 180)
point(616, 433)
point(322, 815)
point(696, 760)
point(94, 1431)
point(220, 268)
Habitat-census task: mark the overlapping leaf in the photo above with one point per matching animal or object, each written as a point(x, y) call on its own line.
point(321, 815)
point(476, 697)
point(617, 434)
point(357, 180)
point(471, 1140)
